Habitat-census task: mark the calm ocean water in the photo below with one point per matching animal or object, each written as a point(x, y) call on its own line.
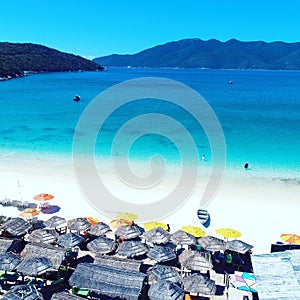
point(259, 113)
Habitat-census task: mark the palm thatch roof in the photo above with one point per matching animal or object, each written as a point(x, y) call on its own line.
point(79, 224)
point(157, 236)
point(100, 229)
point(165, 290)
point(9, 261)
point(64, 296)
point(12, 245)
point(23, 292)
point(181, 237)
point(102, 244)
point(113, 282)
point(161, 253)
point(34, 266)
point(132, 248)
point(16, 227)
point(197, 283)
point(195, 260)
point(118, 262)
point(55, 222)
point(55, 254)
point(47, 236)
point(160, 272)
point(70, 240)
point(212, 243)
point(128, 232)
point(238, 246)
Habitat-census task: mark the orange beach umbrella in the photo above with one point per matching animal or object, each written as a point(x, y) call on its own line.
point(119, 222)
point(92, 220)
point(29, 213)
point(43, 197)
point(290, 238)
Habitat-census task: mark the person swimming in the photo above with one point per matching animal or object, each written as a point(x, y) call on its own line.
point(246, 165)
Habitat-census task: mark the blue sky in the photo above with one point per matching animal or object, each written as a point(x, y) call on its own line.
point(94, 28)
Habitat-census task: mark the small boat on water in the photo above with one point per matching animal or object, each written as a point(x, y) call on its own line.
point(76, 98)
point(204, 217)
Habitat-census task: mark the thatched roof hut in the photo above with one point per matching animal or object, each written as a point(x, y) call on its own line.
point(132, 248)
point(46, 236)
point(69, 240)
point(79, 224)
point(118, 262)
point(9, 261)
point(54, 222)
point(238, 246)
point(197, 283)
point(161, 253)
point(34, 266)
point(157, 236)
point(195, 260)
point(101, 244)
point(64, 296)
point(165, 290)
point(23, 292)
point(181, 237)
point(15, 227)
point(55, 254)
point(212, 243)
point(100, 229)
point(12, 245)
point(113, 282)
point(160, 272)
point(128, 232)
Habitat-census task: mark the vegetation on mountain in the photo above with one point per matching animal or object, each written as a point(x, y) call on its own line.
point(212, 54)
point(15, 58)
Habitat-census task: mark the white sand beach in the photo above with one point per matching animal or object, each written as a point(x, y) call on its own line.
point(261, 208)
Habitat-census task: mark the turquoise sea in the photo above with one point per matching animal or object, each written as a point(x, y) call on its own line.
point(259, 114)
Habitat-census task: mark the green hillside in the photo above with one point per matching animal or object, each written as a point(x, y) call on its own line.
point(16, 58)
point(212, 54)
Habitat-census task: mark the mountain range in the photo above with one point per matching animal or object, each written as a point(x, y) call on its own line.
point(15, 58)
point(212, 54)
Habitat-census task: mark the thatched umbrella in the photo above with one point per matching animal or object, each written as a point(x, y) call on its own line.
point(160, 272)
point(157, 236)
point(238, 246)
point(42, 236)
point(23, 292)
point(195, 260)
point(212, 243)
point(70, 240)
point(55, 222)
point(64, 296)
point(102, 244)
point(197, 283)
point(11, 245)
point(128, 232)
point(132, 248)
point(16, 227)
point(100, 229)
point(181, 237)
point(165, 290)
point(9, 261)
point(161, 253)
point(34, 266)
point(79, 224)
point(55, 254)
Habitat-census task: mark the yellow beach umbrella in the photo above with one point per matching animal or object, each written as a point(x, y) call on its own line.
point(290, 238)
point(154, 224)
point(194, 230)
point(126, 216)
point(228, 233)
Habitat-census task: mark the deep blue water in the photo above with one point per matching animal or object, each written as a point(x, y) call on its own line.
point(259, 113)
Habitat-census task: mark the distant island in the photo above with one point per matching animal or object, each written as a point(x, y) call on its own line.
point(212, 54)
point(17, 58)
